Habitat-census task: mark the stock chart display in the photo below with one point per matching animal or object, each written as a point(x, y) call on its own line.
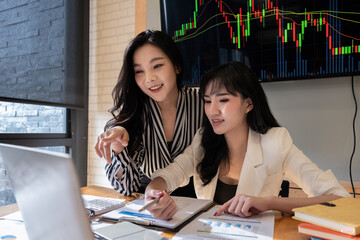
point(279, 39)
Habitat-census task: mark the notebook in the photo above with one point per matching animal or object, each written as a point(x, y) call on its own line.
point(188, 208)
point(341, 215)
point(47, 192)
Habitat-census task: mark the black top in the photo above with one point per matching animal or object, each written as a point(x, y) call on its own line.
point(169, 145)
point(224, 192)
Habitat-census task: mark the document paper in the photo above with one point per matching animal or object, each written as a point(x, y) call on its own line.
point(227, 226)
point(12, 227)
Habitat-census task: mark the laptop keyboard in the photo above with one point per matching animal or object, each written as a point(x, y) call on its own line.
point(101, 205)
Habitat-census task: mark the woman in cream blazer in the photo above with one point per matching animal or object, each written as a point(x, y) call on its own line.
point(268, 158)
point(241, 154)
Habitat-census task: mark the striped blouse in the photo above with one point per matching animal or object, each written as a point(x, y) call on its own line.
point(154, 153)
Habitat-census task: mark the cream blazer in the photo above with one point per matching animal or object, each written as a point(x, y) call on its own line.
point(268, 158)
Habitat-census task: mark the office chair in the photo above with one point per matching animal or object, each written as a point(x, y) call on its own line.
point(284, 192)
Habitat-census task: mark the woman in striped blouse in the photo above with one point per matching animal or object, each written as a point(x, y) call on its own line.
point(154, 117)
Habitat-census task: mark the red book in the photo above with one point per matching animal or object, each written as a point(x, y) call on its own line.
point(322, 232)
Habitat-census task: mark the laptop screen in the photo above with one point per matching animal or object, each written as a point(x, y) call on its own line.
point(47, 192)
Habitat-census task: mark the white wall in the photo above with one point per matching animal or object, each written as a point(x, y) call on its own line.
point(318, 114)
point(112, 24)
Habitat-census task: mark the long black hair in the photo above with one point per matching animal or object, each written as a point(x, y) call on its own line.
point(129, 99)
point(236, 77)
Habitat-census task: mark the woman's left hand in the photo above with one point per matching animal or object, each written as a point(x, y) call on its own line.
point(245, 206)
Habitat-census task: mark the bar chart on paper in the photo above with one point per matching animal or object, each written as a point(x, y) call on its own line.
point(278, 39)
point(226, 226)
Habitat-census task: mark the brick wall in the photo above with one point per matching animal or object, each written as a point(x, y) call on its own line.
point(112, 24)
point(25, 118)
point(6, 194)
point(32, 47)
point(32, 44)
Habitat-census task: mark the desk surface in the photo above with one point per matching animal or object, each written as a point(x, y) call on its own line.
point(285, 226)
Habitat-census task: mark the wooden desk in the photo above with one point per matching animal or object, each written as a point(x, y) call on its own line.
point(5, 210)
point(285, 226)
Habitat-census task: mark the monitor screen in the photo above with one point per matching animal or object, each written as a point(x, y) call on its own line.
point(278, 39)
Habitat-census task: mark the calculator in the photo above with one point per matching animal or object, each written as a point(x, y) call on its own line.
point(101, 205)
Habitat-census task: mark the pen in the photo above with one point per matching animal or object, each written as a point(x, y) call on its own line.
point(138, 221)
point(134, 220)
point(156, 200)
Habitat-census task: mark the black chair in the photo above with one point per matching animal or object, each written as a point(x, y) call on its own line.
point(284, 192)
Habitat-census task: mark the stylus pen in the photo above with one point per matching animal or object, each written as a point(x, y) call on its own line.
point(156, 200)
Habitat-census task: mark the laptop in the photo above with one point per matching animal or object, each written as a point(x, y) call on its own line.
point(47, 192)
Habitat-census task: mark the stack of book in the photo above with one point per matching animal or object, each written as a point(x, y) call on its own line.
point(335, 220)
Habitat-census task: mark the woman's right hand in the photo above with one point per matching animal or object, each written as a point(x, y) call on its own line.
point(115, 139)
point(165, 208)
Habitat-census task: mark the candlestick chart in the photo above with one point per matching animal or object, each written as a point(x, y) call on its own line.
point(279, 39)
